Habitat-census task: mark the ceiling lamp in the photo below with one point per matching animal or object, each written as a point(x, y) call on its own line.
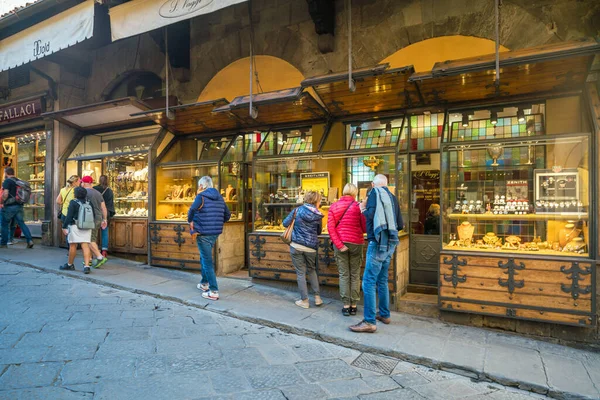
point(358, 131)
point(465, 120)
point(521, 115)
point(494, 117)
point(388, 128)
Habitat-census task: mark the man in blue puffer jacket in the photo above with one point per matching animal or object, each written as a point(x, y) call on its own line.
point(206, 217)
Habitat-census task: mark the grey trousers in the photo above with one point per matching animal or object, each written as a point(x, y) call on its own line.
point(305, 264)
point(349, 263)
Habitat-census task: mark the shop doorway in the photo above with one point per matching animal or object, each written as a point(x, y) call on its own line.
point(424, 216)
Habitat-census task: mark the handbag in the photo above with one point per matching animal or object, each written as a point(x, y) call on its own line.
point(286, 236)
point(331, 245)
point(60, 214)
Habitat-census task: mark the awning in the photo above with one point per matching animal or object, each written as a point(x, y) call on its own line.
point(378, 89)
point(99, 116)
point(49, 36)
point(139, 16)
point(194, 118)
point(542, 70)
point(281, 107)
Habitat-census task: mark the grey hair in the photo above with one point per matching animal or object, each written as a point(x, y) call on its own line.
point(206, 182)
point(380, 180)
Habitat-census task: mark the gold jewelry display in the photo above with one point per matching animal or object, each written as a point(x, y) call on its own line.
point(465, 231)
point(567, 234)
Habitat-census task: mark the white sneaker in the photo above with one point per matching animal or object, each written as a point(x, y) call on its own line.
point(203, 286)
point(302, 303)
point(210, 295)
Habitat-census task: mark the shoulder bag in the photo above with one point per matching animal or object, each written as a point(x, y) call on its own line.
point(60, 214)
point(331, 245)
point(286, 236)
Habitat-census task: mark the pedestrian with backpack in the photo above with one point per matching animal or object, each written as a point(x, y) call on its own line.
point(77, 226)
point(100, 215)
point(109, 200)
point(15, 193)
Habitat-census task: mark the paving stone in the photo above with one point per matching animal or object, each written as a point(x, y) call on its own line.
point(128, 348)
point(227, 342)
point(435, 374)
point(244, 358)
point(443, 390)
point(68, 352)
point(44, 393)
point(410, 379)
point(8, 340)
point(137, 314)
point(321, 371)
point(186, 346)
point(273, 394)
point(154, 387)
point(507, 395)
point(463, 355)
point(85, 371)
point(503, 364)
point(501, 339)
point(203, 330)
point(399, 394)
point(179, 364)
point(151, 365)
point(403, 366)
point(277, 354)
point(166, 332)
point(112, 323)
point(568, 375)
point(30, 375)
point(348, 355)
point(274, 376)
point(311, 351)
point(19, 356)
point(346, 387)
point(85, 337)
point(381, 383)
point(130, 333)
point(63, 326)
point(147, 322)
point(258, 339)
point(303, 392)
point(231, 382)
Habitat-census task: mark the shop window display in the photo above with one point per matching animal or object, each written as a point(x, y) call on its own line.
point(527, 194)
point(27, 154)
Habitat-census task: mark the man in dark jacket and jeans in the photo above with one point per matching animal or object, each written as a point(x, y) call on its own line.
point(382, 212)
point(206, 217)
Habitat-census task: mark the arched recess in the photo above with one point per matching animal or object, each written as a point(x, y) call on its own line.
point(234, 80)
point(140, 84)
point(423, 55)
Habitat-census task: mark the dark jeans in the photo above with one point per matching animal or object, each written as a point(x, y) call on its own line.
point(305, 263)
point(375, 280)
point(205, 246)
point(8, 213)
point(349, 263)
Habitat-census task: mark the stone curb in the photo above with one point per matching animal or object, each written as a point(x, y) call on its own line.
point(373, 349)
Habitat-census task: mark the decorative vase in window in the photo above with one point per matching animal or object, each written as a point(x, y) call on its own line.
point(495, 151)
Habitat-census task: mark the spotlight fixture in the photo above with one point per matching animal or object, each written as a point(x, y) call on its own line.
point(218, 146)
point(494, 117)
point(358, 131)
point(303, 137)
point(285, 138)
point(521, 115)
point(465, 120)
point(388, 128)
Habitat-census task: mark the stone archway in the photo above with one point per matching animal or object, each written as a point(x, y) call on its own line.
point(130, 76)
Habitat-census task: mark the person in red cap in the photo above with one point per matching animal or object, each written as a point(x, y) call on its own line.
point(100, 215)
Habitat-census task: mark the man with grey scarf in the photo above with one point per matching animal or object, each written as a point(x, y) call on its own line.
point(384, 220)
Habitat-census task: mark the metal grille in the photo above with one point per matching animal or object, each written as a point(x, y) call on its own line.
point(371, 362)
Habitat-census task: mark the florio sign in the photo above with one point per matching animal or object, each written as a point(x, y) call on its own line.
point(18, 111)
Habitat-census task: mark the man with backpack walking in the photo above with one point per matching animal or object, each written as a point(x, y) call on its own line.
point(100, 215)
point(15, 193)
point(78, 225)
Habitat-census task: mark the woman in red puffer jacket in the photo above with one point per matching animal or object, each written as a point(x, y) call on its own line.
point(346, 226)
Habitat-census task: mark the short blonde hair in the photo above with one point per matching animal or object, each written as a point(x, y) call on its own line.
point(312, 197)
point(350, 190)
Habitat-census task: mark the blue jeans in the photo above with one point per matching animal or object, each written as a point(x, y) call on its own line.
point(104, 234)
point(205, 246)
point(375, 279)
point(8, 213)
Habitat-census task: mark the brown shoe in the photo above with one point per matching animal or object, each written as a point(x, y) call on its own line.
point(384, 320)
point(363, 327)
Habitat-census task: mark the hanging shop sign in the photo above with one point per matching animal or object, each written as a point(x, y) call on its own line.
point(139, 16)
point(49, 36)
point(19, 111)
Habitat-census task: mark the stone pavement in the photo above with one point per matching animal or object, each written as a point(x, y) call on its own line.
point(63, 338)
point(555, 370)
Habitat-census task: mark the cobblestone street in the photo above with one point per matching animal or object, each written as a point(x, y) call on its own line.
point(62, 338)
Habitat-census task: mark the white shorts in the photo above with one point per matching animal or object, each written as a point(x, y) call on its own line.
point(77, 235)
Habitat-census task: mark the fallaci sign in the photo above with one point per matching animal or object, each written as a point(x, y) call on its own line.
point(19, 111)
point(139, 16)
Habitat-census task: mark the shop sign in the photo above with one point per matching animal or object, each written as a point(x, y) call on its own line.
point(425, 192)
point(317, 181)
point(16, 112)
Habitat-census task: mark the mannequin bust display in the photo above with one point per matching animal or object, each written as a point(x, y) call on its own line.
point(465, 231)
point(228, 191)
point(568, 233)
